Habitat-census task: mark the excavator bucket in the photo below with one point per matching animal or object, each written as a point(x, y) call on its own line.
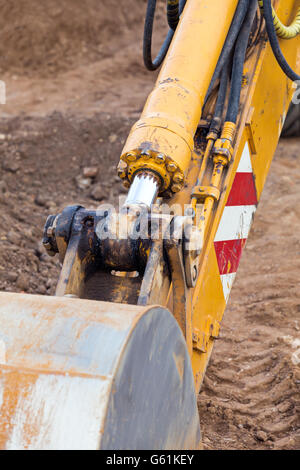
point(80, 374)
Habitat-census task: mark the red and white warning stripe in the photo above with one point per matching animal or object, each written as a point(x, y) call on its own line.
point(235, 222)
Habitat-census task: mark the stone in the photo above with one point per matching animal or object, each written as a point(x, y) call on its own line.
point(50, 283)
point(42, 290)
point(3, 186)
point(10, 164)
point(40, 200)
point(23, 282)
point(51, 205)
point(14, 238)
point(262, 436)
point(83, 183)
point(113, 138)
point(90, 172)
point(11, 276)
point(98, 193)
point(284, 407)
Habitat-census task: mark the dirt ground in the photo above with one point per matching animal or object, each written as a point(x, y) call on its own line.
point(75, 84)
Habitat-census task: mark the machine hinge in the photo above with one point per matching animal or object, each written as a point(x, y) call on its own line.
point(202, 338)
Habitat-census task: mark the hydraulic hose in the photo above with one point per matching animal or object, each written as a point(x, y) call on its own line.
point(238, 63)
point(283, 31)
point(216, 122)
point(234, 30)
point(268, 15)
point(174, 10)
point(173, 13)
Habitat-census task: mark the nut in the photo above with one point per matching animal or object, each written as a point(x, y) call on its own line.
point(122, 165)
point(121, 173)
point(160, 158)
point(131, 157)
point(145, 155)
point(51, 231)
point(171, 167)
point(178, 178)
point(176, 188)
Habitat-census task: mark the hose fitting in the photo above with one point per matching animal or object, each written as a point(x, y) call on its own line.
point(283, 31)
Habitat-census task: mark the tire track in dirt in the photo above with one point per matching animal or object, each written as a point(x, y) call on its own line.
point(250, 397)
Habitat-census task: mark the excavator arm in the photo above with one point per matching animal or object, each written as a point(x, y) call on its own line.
point(116, 359)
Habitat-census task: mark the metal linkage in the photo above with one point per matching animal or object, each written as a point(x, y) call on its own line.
point(88, 242)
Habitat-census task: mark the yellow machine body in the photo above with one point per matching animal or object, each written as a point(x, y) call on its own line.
point(171, 115)
point(266, 97)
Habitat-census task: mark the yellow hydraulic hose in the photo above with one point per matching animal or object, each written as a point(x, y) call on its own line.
point(285, 32)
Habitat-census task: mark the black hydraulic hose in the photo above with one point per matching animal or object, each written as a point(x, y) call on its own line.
point(234, 30)
point(267, 10)
point(173, 13)
point(148, 32)
point(216, 122)
point(238, 63)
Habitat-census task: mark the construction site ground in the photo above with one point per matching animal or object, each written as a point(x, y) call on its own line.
point(75, 84)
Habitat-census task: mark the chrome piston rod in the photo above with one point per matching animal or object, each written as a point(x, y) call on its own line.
point(143, 190)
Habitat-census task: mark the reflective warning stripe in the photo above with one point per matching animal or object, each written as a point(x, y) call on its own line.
point(227, 283)
point(235, 222)
point(243, 192)
point(229, 253)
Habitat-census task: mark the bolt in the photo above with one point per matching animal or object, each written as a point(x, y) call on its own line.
point(145, 155)
point(178, 178)
point(122, 165)
point(160, 159)
point(47, 246)
point(176, 188)
point(89, 222)
point(121, 173)
point(121, 169)
point(171, 167)
point(131, 157)
point(50, 231)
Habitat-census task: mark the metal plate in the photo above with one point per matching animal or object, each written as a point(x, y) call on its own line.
point(77, 374)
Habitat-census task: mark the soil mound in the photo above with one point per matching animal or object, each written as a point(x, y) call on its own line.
point(49, 37)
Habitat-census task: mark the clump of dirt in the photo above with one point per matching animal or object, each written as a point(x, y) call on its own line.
point(44, 167)
point(49, 37)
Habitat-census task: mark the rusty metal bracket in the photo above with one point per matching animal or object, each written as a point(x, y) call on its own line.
point(77, 236)
point(182, 308)
point(90, 243)
point(202, 338)
point(223, 151)
point(57, 231)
